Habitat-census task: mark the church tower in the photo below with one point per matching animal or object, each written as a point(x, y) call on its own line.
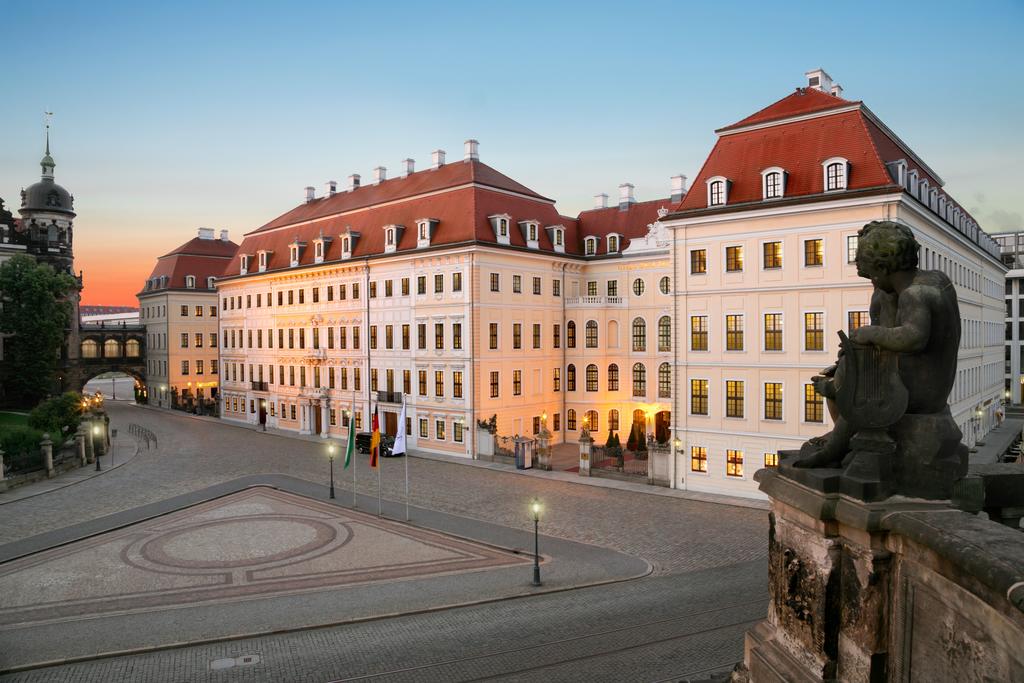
point(47, 214)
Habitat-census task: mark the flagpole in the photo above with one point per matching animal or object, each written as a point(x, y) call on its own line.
point(380, 465)
point(406, 454)
point(352, 426)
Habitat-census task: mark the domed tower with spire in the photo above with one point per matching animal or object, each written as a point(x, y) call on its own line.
point(47, 214)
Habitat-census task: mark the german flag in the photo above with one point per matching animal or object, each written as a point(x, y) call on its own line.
point(375, 440)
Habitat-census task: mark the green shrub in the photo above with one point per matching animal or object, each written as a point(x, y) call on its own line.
point(19, 441)
point(59, 416)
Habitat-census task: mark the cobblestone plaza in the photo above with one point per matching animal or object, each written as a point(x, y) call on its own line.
point(281, 565)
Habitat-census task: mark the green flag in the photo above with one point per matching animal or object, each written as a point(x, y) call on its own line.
point(351, 446)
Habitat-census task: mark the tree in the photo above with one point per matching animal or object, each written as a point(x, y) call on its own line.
point(59, 416)
point(631, 442)
point(35, 314)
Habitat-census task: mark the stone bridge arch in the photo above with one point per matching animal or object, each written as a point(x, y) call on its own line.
point(107, 348)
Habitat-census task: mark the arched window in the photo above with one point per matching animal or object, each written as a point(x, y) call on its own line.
point(613, 334)
point(590, 420)
point(639, 334)
point(591, 377)
point(613, 377)
point(570, 378)
point(664, 381)
point(591, 333)
point(590, 246)
point(639, 380)
point(570, 420)
point(190, 281)
point(665, 333)
point(90, 349)
point(613, 244)
point(132, 348)
point(570, 334)
point(773, 183)
point(716, 192)
point(665, 285)
point(613, 420)
point(835, 173)
point(111, 349)
point(209, 282)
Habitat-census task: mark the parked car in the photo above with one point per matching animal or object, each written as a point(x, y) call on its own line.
point(386, 442)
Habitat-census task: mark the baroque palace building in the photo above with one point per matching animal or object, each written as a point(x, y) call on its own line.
point(764, 248)
point(178, 307)
point(465, 291)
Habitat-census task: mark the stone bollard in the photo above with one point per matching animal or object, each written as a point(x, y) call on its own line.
point(586, 444)
point(3, 479)
point(47, 447)
point(80, 444)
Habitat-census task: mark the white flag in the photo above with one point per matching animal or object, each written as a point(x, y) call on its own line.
point(399, 446)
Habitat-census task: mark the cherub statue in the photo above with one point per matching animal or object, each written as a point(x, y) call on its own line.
point(915, 314)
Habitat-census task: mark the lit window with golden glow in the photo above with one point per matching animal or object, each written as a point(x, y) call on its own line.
point(665, 333)
point(698, 333)
point(772, 331)
point(814, 252)
point(814, 331)
point(734, 333)
point(771, 459)
point(698, 397)
point(591, 377)
point(639, 379)
point(813, 405)
point(613, 377)
point(772, 255)
point(698, 261)
point(772, 401)
point(734, 259)
point(698, 459)
point(639, 334)
point(734, 463)
point(857, 319)
point(734, 398)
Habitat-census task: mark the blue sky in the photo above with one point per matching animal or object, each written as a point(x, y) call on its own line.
point(179, 115)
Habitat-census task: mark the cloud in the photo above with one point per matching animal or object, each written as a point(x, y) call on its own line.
point(996, 220)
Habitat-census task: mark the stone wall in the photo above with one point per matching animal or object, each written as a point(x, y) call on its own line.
point(901, 590)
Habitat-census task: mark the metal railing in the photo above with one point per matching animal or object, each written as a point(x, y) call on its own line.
point(389, 396)
point(141, 433)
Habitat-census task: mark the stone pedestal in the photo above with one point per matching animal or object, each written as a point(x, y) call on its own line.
point(586, 448)
point(80, 445)
point(847, 584)
point(85, 429)
point(46, 446)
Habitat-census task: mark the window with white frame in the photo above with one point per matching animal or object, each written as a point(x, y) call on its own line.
point(718, 191)
point(243, 261)
point(590, 246)
point(773, 183)
point(262, 260)
point(613, 244)
point(835, 171)
point(190, 281)
point(293, 254)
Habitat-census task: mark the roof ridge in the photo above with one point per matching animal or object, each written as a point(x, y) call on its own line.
point(874, 147)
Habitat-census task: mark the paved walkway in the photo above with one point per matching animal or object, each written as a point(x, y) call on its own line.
point(998, 441)
point(124, 450)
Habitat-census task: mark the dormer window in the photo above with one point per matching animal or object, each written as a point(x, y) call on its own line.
point(190, 281)
point(425, 228)
point(262, 260)
point(836, 170)
point(209, 282)
point(500, 224)
point(590, 246)
point(295, 252)
point(773, 183)
point(320, 245)
point(556, 233)
point(346, 248)
point(392, 236)
point(718, 191)
point(243, 264)
point(348, 243)
point(613, 244)
point(389, 237)
point(531, 233)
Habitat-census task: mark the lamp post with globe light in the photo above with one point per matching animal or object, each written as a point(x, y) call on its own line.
point(95, 435)
point(535, 508)
point(330, 457)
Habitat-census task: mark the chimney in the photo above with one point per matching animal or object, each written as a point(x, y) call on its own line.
point(837, 90)
point(819, 80)
point(310, 193)
point(353, 182)
point(601, 201)
point(224, 236)
point(625, 196)
point(206, 233)
point(408, 166)
point(380, 174)
point(332, 187)
point(437, 158)
point(678, 187)
point(472, 150)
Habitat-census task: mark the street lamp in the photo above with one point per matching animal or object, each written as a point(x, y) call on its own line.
point(330, 456)
point(535, 508)
point(95, 434)
point(263, 421)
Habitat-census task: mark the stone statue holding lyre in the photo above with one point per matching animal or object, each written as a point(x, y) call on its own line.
point(888, 392)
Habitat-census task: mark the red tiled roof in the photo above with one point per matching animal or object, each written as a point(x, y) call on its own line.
point(803, 101)
point(798, 147)
point(421, 182)
point(202, 258)
point(630, 223)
